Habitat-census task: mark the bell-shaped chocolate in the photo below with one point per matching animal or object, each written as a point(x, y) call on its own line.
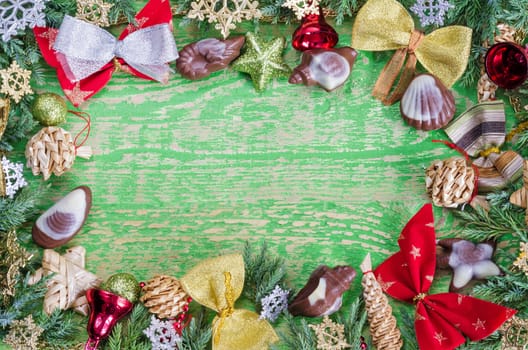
point(507, 64)
point(105, 310)
point(322, 294)
point(314, 33)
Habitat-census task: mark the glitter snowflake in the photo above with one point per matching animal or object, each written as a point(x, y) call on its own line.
point(24, 334)
point(330, 335)
point(522, 260)
point(162, 334)
point(431, 11)
point(274, 303)
point(302, 8)
point(225, 17)
point(13, 176)
point(17, 15)
point(15, 81)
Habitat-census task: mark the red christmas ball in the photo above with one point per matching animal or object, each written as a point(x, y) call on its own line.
point(507, 64)
point(314, 33)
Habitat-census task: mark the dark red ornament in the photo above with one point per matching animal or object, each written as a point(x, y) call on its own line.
point(105, 310)
point(507, 64)
point(314, 33)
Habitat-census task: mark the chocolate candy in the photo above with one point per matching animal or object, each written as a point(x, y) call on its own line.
point(322, 294)
point(199, 59)
point(327, 68)
point(64, 219)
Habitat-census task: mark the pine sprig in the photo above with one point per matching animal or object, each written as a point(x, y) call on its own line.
point(509, 290)
point(407, 331)
point(354, 321)
point(14, 212)
point(60, 329)
point(128, 334)
point(298, 336)
point(263, 272)
point(121, 9)
point(197, 335)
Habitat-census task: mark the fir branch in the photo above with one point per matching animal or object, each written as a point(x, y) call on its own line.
point(263, 272)
point(407, 331)
point(354, 321)
point(509, 290)
point(481, 225)
point(57, 9)
point(14, 212)
point(121, 9)
point(517, 14)
point(60, 329)
point(299, 335)
point(197, 335)
point(492, 342)
point(128, 334)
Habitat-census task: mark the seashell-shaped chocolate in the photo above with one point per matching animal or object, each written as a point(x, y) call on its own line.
point(427, 104)
point(198, 60)
point(64, 219)
point(327, 68)
point(322, 294)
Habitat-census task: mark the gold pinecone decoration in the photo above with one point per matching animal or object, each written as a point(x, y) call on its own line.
point(52, 150)
point(450, 182)
point(164, 296)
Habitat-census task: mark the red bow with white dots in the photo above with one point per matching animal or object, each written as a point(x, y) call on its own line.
point(441, 320)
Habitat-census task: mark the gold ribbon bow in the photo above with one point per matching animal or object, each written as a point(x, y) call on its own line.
point(217, 283)
point(383, 25)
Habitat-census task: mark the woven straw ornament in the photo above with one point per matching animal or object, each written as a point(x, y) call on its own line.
point(520, 197)
point(450, 182)
point(70, 281)
point(52, 150)
point(164, 296)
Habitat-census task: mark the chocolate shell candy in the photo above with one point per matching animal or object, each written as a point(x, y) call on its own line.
point(427, 104)
point(198, 60)
point(322, 294)
point(327, 68)
point(64, 219)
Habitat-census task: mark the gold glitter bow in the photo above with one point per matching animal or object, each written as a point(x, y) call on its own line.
point(217, 283)
point(386, 25)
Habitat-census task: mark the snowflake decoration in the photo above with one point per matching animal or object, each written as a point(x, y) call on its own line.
point(225, 17)
point(13, 176)
point(302, 8)
point(330, 335)
point(274, 303)
point(24, 334)
point(94, 11)
point(17, 15)
point(162, 334)
point(522, 260)
point(431, 11)
point(15, 81)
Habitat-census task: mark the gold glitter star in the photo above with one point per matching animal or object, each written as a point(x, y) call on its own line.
point(77, 96)
point(330, 335)
point(415, 252)
point(522, 259)
point(24, 334)
point(15, 81)
point(13, 257)
point(94, 11)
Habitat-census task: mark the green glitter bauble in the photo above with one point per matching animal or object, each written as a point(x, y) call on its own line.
point(123, 284)
point(49, 109)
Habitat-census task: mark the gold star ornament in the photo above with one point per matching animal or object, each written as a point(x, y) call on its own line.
point(262, 60)
point(15, 81)
point(94, 11)
point(330, 335)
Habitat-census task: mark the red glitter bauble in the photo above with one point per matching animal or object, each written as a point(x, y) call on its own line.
point(314, 33)
point(507, 64)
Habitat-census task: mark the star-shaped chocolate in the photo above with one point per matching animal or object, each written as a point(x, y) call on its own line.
point(262, 60)
point(467, 260)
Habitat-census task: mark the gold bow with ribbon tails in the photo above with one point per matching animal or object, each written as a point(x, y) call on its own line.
point(480, 132)
point(382, 25)
point(217, 283)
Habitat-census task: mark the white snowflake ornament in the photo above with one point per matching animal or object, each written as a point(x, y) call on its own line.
point(162, 334)
point(431, 11)
point(13, 177)
point(16, 15)
point(274, 303)
point(302, 8)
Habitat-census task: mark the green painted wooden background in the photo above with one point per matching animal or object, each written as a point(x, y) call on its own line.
point(193, 169)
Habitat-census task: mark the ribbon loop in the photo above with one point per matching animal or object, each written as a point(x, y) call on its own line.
point(85, 48)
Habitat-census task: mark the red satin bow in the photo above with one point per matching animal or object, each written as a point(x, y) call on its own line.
point(441, 320)
point(155, 12)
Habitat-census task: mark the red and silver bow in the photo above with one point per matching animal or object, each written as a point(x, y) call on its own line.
point(441, 320)
point(85, 56)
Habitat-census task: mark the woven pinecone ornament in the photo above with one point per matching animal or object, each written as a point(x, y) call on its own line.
point(450, 182)
point(52, 150)
point(164, 296)
point(486, 88)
